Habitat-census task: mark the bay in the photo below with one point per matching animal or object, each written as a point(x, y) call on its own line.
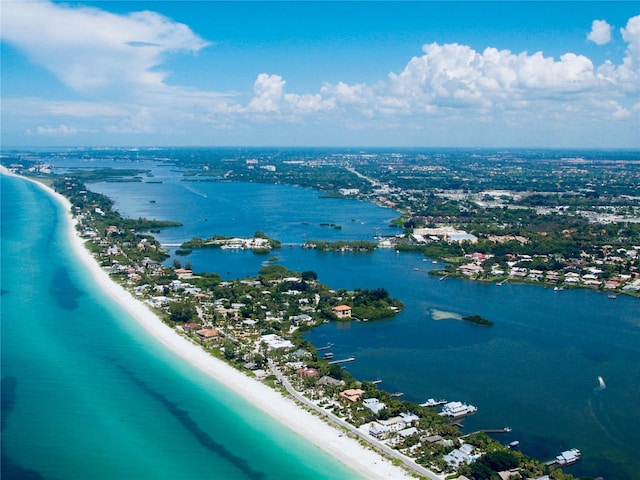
point(536, 370)
point(86, 394)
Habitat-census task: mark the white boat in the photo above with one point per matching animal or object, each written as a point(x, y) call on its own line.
point(432, 402)
point(601, 384)
point(568, 457)
point(457, 410)
point(232, 246)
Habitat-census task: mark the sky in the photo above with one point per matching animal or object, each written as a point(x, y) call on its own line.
point(354, 74)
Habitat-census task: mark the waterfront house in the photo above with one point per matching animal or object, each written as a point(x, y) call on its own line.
point(208, 334)
point(183, 273)
point(461, 455)
point(274, 341)
point(342, 311)
point(394, 424)
point(377, 431)
point(302, 318)
point(407, 432)
point(509, 474)
point(409, 418)
point(352, 394)
point(191, 326)
point(307, 371)
point(470, 269)
point(326, 380)
point(373, 404)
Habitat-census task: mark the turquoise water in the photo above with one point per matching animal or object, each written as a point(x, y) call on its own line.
point(536, 370)
point(85, 394)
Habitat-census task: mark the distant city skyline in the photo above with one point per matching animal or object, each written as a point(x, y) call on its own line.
point(367, 74)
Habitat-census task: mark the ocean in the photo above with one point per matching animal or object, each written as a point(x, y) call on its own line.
point(86, 394)
point(535, 370)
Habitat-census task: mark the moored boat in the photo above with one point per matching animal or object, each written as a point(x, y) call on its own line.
point(457, 410)
point(568, 457)
point(432, 402)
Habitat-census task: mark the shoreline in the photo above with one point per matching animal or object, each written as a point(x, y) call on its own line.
point(346, 450)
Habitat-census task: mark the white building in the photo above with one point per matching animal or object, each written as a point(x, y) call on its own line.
point(373, 404)
point(461, 455)
point(274, 341)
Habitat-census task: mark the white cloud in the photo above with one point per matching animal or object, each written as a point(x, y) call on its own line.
point(59, 130)
point(600, 32)
point(91, 50)
point(113, 61)
point(268, 90)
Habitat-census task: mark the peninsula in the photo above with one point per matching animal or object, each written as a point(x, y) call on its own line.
point(254, 326)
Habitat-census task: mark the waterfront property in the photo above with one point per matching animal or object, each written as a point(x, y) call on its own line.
point(342, 311)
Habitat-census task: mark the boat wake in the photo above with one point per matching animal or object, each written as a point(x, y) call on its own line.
point(193, 190)
point(599, 415)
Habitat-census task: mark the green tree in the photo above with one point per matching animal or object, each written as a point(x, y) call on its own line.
point(181, 311)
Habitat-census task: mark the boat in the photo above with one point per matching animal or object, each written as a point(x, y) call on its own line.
point(601, 384)
point(514, 445)
point(431, 402)
point(568, 457)
point(612, 296)
point(457, 410)
point(328, 355)
point(558, 289)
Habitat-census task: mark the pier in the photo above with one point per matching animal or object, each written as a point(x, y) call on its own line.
point(490, 430)
point(344, 360)
point(327, 347)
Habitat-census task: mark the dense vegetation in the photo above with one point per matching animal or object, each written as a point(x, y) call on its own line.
point(478, 320)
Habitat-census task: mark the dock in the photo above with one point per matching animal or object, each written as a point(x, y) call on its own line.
point(489, 430)
point(326, 347)
point(344, 360)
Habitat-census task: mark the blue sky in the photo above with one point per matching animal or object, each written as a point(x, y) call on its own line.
point(472, 74)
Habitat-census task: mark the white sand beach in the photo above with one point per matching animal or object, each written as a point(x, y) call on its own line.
point(347, 450)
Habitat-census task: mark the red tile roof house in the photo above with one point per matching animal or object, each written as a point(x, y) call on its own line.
point(342, 311)
point(353, 394)
point(208, 333)
point(307, 371)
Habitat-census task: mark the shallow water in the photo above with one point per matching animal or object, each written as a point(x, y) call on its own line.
point(85, 394)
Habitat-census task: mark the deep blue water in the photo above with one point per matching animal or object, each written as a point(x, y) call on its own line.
point(85, 394)
point(536, 370)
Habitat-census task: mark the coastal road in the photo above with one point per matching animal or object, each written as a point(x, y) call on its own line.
point(406, 461)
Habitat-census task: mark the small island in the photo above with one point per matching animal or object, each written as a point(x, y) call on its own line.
point(259, 243)
point(478, 320)
point(341, 246)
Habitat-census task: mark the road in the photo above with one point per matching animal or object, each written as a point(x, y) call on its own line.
point(390, 452)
